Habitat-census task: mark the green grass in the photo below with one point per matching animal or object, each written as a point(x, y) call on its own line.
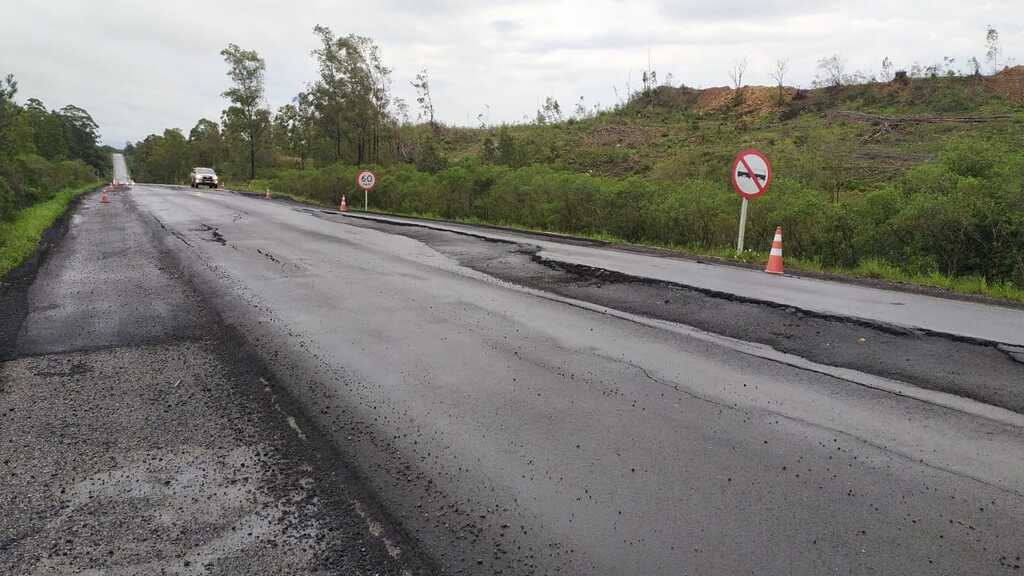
point(261, 186)
point(19, 238)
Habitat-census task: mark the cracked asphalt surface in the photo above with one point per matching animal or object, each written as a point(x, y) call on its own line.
point(138, 435)
point(506, 431)
point(206, 383)
point(989, 373)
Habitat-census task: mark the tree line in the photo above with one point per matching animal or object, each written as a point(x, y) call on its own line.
point(43, 151)
point(347, 113)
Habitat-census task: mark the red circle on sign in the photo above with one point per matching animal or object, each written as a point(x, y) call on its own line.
point(740, 161)
point(367, 184)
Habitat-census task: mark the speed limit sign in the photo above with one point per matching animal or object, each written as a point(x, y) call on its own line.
point(366, 180)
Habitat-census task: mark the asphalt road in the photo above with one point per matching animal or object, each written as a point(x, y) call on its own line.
point(120, 167)
point(511, 431)
point(916, 311)
point(944, 370)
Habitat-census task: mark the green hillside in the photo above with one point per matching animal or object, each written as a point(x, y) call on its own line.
point(682, 133)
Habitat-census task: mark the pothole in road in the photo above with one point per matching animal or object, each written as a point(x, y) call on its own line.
point(215, 235)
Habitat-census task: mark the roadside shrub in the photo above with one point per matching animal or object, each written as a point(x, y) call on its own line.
point(970, 158)
point(8, 202)
point(69, 173)
point(695, 213)
point(33, 175)
point(28, 179)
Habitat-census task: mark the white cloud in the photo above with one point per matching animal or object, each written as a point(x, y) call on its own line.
point(139, 67)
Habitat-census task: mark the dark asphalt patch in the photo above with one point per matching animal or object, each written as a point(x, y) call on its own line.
point(180, 456)
point(166, 458)
point(15, 285)
point(982, 372)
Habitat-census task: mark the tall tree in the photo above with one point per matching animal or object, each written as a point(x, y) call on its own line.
point(424, 97)
point(162, 158)
point(82, 135)
point(8, 109)
point(739, 68)
point(993, 48)
point(331, 90)
point(834, 70)
point(206, 144)
point(352, 94)
point(248, 116)
point(886, 69)
point(48, 134)
point(779, 75)
point(293, 128)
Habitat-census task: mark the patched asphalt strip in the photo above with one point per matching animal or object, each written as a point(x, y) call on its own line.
point(986, 373)
point(139, 436)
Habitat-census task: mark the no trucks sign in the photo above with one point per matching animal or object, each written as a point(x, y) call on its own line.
point(751, 175)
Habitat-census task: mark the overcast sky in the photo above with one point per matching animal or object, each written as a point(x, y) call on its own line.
point(142, 66)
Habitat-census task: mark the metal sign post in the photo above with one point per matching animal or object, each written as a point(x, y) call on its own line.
point(751, 175)
point(743, 225)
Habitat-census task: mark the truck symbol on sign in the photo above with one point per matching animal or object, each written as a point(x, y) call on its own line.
point(745, 174)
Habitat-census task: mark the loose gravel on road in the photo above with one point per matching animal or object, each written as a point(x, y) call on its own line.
point(138, 435)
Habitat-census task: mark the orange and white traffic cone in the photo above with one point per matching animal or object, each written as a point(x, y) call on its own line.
point(104, 198)
point(267, 196)
point(775, 258)
point(344, 205)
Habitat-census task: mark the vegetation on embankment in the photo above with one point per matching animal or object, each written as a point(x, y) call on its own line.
point(47, 159)
point(20, 235)
point(44, 151)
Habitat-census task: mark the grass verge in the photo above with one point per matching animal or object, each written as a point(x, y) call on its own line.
point(19, 237)
point(872, 269)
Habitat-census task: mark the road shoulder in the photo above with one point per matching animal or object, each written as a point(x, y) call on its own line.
point(130, 448)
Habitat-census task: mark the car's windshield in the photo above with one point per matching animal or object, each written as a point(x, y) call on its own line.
point(204, 171)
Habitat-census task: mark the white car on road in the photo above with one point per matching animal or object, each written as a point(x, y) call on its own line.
point(203, 177)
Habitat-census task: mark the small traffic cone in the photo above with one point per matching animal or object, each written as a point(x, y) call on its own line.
point(104, 199)
point(775, 258)
point(220, 184)
point(344, 205)
point(267, 196)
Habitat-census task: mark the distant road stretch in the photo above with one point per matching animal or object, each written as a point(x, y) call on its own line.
point(120, 168)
